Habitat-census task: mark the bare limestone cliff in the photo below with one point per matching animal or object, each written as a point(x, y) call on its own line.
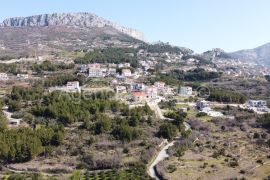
point(79, 20)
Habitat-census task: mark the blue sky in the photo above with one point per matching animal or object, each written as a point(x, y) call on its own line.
point(198, 24)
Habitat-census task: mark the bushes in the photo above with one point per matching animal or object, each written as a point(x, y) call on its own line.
point(3, 120)
point(266, 121)
point(103, 124)
point(201, 114)
point(167, 131)
point(125, 133)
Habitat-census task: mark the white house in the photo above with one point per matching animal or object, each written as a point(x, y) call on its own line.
point(83, 68)
point(123, 65)
point(73, 86)
point(111, 72)
point(151, 92)
point(185, 91)
point(22, 76)
point(95, 73)
point(120, 89)
point(203, 105)
point(138, 87)
point(159, 85)
point(257, 103)
point(126, 73)
point(3, 76)
point(14, 122)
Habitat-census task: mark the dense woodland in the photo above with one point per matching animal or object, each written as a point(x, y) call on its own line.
point(48, 66)
point(226, 96)
point(160, 48)
point(177, 77)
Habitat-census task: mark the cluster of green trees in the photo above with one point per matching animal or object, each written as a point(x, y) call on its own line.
point(69, 108)
point(21, 145)
point(9, 68)
point(266, 121)
point(198, 74)
point(226, 96)
point(160, 48)
point(26, 94)
point(169, 80)
point(169, 130)
point(176, 77)
point(48, 66)
point(124, 127)
point(3, 120)
point(110, 55)
point(21, 94)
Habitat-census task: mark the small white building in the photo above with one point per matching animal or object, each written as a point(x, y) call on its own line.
point(95, 73)
point(257, 103)
point(83, 68)
point(138, 87)
point(151, 92)
point(111, 72)
point(120, 89)
point(73, 86)
point(203, 105)
point(159, 85)
point(3, 76)
point(22, 76)
point(126, 73)
point(124, 65)
point(14, 122)
point(185, 91)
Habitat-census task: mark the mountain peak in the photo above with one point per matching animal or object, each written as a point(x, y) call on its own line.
point(80, 20)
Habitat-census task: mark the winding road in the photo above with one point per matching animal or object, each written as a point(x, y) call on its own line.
point(162, 155)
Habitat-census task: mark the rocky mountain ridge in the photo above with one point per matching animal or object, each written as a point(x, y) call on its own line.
point(79, 20)
point(259, 55)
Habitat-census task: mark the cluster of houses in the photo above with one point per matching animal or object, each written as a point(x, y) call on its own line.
point(257, 105)
point(139, 92)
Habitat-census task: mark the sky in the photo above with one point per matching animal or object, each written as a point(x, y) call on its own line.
point(197, 24)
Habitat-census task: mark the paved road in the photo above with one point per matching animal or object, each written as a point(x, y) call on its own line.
point(162, 155)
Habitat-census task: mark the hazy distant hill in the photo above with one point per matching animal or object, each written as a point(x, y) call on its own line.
point(259, 55)
point(56, 32)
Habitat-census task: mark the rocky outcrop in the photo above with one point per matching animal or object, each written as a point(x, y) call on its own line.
point(80, 20)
